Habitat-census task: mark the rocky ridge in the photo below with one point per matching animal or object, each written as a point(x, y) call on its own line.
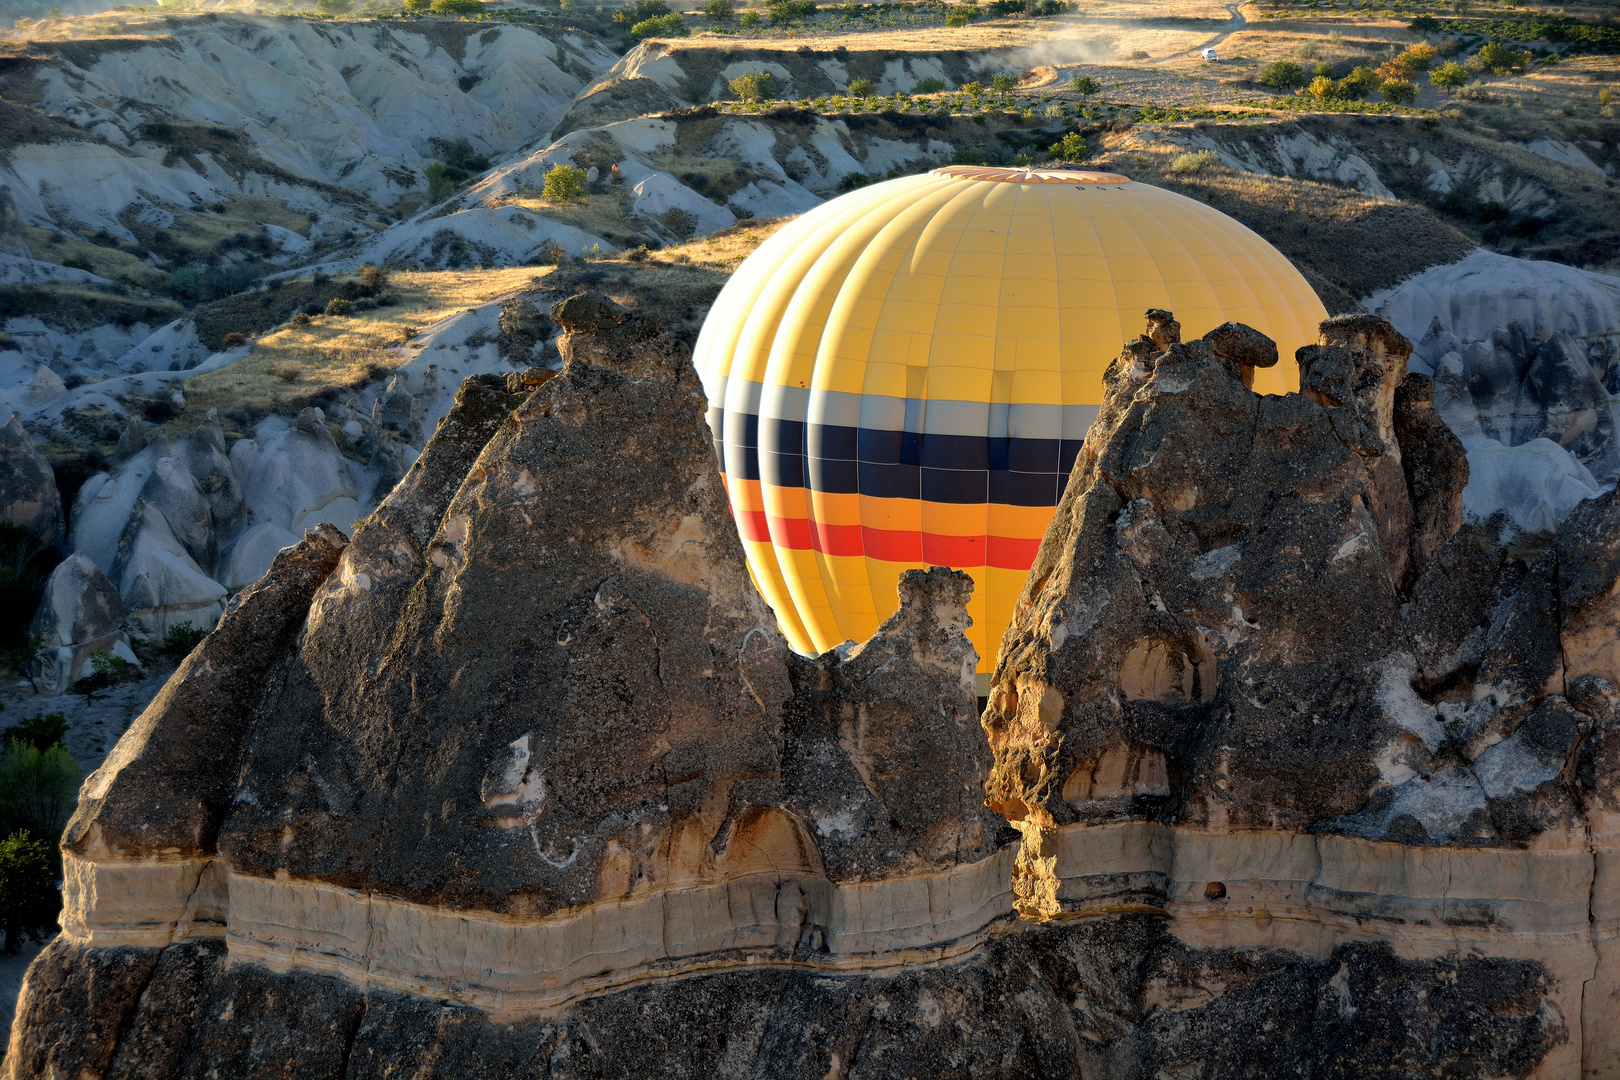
point(523, 777)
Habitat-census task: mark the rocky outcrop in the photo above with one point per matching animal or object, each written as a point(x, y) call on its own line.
point(80, 614)
point(523, 778)
point(28, 496)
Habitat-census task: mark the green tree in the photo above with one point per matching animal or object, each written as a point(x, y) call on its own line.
point(973, 89)
point(439, 185)
point(720, 9)
point(928, 86)
point(749, 20)
point(862, 88)
point(564, 183)
point(1085, 85)
point(41, 731)
point(851, 181)
point(1398, 92)
point(457, 7)
point(37, 788)
point(1282, 75)
point(1002, 83)
point(1449, 76)
point(752, 86)
point(640, 11)
point(1498, 57)
point(1358, 84)
point(1321, 88)
point(1069, 148)
point(29, 902)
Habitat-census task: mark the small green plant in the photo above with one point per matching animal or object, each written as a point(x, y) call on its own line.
point(963, 14)
point(1002, 83)
point(457, 7)
point(1605, 96)
point(1307, 50)
point(967, 157)
point(1194, 162)
point(749, 20)
point(1448, 76)
point(1282, 75)
point(720, 9)
point(1054, 111)
point(851, 181)
point(640, 11)
point(928, 86)
point(334, 7)
point(564, 183)
point(1072, 147)
point(41, 731)
point(180, 640)
point(107, 665)
point(372, 279)
point(591, 253)
point(671, 25)
point(973, 89)
point(1424, 24)
point(338, 306)
point(29, 902)
point(862, 88)
point(1085, 85)
point(752, 86)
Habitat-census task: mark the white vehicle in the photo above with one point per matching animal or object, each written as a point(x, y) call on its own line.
point(1210, 55)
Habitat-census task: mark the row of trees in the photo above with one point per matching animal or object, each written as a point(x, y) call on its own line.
point(38, 781)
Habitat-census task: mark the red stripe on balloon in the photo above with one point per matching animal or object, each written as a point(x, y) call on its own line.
point(889, 545)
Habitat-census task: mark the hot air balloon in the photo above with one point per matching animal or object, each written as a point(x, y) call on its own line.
point(903, 376)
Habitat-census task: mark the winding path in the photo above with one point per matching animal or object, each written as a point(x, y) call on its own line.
point(1238, 23)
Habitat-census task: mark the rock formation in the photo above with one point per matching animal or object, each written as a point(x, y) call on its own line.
point(28, 495)
point(522, 780)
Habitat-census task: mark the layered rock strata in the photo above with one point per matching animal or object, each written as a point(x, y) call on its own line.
point(522, 780)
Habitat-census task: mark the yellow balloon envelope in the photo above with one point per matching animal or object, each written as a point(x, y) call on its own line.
point(903, 376)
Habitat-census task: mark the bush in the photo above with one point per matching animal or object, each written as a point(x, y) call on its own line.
point(928, 86)
point(1398, 92)
point(787, 11)
point(1448, 76)
point(862, 88)
point(973, 89)
point(851, 181)
point(338, 306)
point(564, 183)
point(752, 86)
point(440, 186)
point(640, 11)
point(672, 25)
point(1196, 161)
point(373, 278)
point(457, 7)
point(1323, 68)
point(720, 9)
point(180, 640)
point(1085, 85)
point(967, 157)
point(1306, 51)
point(1419, 57)
point(1424, 24)
point(1321, 88)
point(333, 7)
point(1358, 84)
point(962, 15)
point(1605, 96)
point(749, 19)
point(1069, 148)
point(234, 340)
point(29, 902)
point(1002, 83)
point(1282, 75)
point(37, 788)
point(41, 731)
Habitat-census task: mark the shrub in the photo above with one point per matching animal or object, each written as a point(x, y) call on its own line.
point(29, 902)
point(564, 183)
point(1398, 92)
point(963, 14)
point(338, 306)
point(1490, 210)
point(457, 7)
point(1069, 148)
point(787, 11)
point(1282, 75)
point(1085, 85)
point(928, 86)
point(1054, 111)
point(672, 25)
point(1605, 96)
point(862, 88)
point(973, 89)
point(1007, 7)
point(851, 181)
point(1448, 76)
point(373, 278)
point(41, 731)
point(1002, 83)
point(1323, 68)
point(333, 7)
point(1196, 161)
point(1321, 88)
point(1306, 51)
point(37, 788)
point(1358, 84)
point(720, 9)
point(234, 340)
point(749, 19)
point(300, 318)
point(1424, 24)
point(967, 157)
point(180, 640)
point(440, 186)
point(1420, 57)
point(640, 11)
point(752, 86)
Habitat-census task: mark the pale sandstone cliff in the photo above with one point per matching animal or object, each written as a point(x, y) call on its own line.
point(523, 781)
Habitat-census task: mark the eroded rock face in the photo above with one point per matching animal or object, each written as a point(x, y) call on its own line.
point(523, 779)
point(28, 495)
point(1264, 681)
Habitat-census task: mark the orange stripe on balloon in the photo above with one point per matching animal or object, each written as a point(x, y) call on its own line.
point(889, 545)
